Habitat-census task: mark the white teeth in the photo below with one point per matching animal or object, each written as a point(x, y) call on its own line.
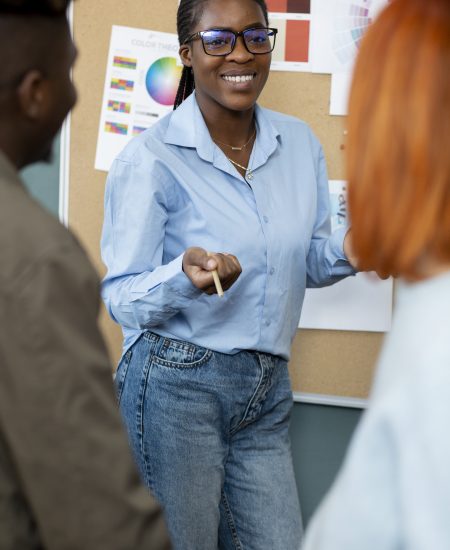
point(243, 78)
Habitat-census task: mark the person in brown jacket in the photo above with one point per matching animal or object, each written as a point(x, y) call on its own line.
point(67, 477)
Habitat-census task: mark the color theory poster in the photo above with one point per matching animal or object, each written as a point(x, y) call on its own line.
point(142, 76)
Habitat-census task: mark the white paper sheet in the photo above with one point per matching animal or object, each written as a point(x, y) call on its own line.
point(362, 302)
point(340, 89)
point(142, 77)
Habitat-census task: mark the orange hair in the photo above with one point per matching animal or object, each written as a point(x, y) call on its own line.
point(398, 151)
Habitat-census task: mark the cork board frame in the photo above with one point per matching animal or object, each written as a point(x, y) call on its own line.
point(336, 363)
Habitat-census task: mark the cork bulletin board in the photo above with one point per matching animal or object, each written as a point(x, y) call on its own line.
point(323, 362)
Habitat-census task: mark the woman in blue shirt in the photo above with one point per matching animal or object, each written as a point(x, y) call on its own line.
point(203, 382)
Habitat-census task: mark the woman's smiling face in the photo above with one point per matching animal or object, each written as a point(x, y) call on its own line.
point(235, 81)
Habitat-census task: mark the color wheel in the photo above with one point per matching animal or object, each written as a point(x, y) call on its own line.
point(350, 23)
point(162, 80)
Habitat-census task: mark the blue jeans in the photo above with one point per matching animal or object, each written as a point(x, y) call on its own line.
point(210, 435)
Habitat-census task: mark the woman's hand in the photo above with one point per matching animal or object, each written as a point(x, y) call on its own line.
point(198, 265)
point(348, 250)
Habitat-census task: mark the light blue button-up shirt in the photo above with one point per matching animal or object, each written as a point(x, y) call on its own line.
point(173, 188)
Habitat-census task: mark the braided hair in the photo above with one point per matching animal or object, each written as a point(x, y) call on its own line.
point(188, 15)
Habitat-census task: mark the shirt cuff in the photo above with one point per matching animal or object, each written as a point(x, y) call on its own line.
point(340, 263)
point(171, 277)
point(337, 243)
point(179, 282)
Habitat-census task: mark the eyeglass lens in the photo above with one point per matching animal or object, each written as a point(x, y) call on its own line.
point(221, 42)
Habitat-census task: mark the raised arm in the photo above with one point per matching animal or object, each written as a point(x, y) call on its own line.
point(326, 261)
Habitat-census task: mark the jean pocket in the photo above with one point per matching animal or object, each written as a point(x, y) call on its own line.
point(181, 355)
point(121, 373)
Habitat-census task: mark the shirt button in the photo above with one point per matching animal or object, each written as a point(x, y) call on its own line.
point(266, 219)
point(250, 176)
point(272, 270)
point(267, 323)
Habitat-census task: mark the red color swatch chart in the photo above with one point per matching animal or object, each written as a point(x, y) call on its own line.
point(297, 41)
point(289, 6)
point(292, 18)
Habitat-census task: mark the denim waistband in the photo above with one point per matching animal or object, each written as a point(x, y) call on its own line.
point(165, 348)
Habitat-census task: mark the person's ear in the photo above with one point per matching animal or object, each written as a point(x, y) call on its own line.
point(32, 94)
point(185, 55)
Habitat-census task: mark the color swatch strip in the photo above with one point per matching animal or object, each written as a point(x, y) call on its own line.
point(124, 62)
point(289, 6)
point(116, 128)
point(297, 41)
point(358, 10)
point(119, 106)
point(121, 84)
point(138, 130)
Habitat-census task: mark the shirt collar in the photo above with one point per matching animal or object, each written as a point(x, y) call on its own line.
point(182, 132)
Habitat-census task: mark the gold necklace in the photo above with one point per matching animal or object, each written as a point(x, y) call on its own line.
point(232, 147)
point(245, 168)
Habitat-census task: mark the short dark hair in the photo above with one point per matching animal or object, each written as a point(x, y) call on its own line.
point(27, 34)
point(188, 15)
point(49, 8)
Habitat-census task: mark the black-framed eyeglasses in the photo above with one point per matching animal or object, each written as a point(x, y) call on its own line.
point(258, 40)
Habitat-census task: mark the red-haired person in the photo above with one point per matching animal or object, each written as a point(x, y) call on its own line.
point(394, 488)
